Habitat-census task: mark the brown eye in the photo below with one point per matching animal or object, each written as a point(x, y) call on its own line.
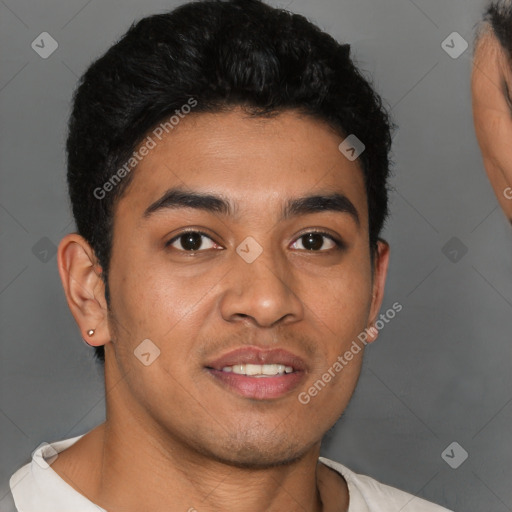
point(314, 241)
point(191, 241)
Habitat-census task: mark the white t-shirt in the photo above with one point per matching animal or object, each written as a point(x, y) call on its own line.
point(37, 488)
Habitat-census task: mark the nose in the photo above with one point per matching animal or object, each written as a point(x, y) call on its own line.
point(261, 292)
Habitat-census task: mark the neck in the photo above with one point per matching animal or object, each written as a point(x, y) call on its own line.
point(130, 463)
point(179, 479)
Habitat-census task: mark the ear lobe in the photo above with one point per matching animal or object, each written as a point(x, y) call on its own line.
point(380, 271)
point(83, 287)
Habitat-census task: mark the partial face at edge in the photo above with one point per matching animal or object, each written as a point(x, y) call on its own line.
point(302, 294)
point(491, 86)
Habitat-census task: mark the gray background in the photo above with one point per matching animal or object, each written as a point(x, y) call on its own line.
point(439, 372)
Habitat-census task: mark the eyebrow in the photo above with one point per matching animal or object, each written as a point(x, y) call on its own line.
point(175, 198)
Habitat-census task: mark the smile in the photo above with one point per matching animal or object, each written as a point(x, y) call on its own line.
point(258, 370)
point(256, 373)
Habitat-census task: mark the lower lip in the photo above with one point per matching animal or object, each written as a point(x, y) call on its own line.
point(259, 388)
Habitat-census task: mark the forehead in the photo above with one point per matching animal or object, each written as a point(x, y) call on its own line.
point(252, 160)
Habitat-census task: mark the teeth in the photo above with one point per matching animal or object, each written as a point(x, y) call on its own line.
point(258, 370)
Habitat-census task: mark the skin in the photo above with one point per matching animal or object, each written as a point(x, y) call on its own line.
point(492, 113)
point(173, 438)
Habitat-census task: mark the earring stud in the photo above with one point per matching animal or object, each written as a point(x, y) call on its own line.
point(90, 332)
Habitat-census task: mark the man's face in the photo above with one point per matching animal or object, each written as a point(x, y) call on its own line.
point(492, 110)
point(201, 298)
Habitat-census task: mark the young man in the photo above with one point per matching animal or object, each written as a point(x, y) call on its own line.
point(492, 98)
point(227, 167)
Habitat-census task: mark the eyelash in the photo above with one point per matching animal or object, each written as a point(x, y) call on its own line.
point(339, 245)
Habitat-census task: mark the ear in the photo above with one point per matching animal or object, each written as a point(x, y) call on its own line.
point(84, 288)
point(380, 270)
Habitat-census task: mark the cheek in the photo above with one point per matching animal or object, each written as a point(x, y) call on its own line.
point(154, 301)
point(167, 305)
point(343, 302)
point(140, 301)
point(154, 305)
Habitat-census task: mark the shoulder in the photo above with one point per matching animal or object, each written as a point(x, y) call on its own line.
point(35, 487)
point(369, 495)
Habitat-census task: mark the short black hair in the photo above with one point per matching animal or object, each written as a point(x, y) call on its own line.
point(499, 16)
point(219, 54)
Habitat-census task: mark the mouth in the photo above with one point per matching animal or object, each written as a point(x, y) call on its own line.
point(259, 370)
point(258, 374)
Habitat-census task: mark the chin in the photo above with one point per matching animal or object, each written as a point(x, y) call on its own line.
point(254, 459)
point(270, 452)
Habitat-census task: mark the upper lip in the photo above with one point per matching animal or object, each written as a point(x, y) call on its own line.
point(255, 355)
